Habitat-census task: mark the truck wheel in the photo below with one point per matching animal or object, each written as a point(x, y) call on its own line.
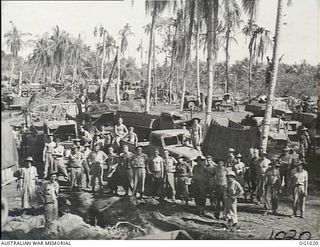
point(191, 105)
point(125, 96)
point(24, 94)
point(131, 97)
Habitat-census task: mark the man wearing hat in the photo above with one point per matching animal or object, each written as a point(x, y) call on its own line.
point(273, 186)
point(96, 159)
point(58, 155)
point(183, 172)
point(253, 167)
point(49, 193)
point(85, 164)
point(239, 169)
point(156, 172)
point(299, 182)
point(305, 142)
point(196, 133)
point(76, 158)
point(47, 154)
point(233, 191)
point(261, 173)
point(28, 176)
point(231, 159)
point(169, 171)
point(77, 142)
point(98, 141)
point(220, 187)
point(210, 166)
point(139, 163)
point(199, 183)
point(125, 169)
point(285, 161)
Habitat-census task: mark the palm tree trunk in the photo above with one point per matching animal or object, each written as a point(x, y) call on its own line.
point(187, 53)
point(154, 70)
point(110, 77)
point(250, 74)
point(197, 52)
point(227, 60)
point(12, 72)
point(118, 100)
point(102, 66)
point(210, 62)
point(34, 71)
point(274, 74)
point(147, 106)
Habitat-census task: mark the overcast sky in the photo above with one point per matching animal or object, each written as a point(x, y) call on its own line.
point(300, 41)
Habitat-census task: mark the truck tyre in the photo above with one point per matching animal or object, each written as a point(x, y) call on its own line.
point(24, 94)
point(125, 96)
point(131, 97)
point(191, 105)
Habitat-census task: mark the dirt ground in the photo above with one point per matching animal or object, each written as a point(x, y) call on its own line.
point(170, 216)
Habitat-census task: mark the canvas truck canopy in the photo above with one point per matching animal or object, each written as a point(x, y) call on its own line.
point(62, 129)
point(9, 152)
point(219, 138)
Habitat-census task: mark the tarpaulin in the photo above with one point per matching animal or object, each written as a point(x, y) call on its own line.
point(9, 152)
point(219, 138)
point(234, 125)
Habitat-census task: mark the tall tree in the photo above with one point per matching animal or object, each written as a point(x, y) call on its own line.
point(153, 8)
point(199, 10)
point(258, 44)
point(42, 55)
point(274, 74)
point(189, 11)
point(232, 18)
point(102, 32)
point(211, 15)
point(15, 43)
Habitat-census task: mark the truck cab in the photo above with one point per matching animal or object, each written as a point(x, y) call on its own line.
point(173, 140)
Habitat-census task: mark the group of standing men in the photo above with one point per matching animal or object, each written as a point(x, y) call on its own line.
point(104, 158)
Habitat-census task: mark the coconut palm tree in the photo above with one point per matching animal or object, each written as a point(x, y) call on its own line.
point(61, 41)
point(124, 34)
point(102, 32)
point(140, 49)
point(258, 44)
point(15, 43)
point(211, 15)
point(189, 9)
point(154, 8)
point(42, 56)
point(274, 74)
point(77, 53)
point(232, 19)
point(198, 25)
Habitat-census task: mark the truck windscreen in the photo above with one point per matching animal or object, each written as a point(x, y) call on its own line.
point(171, 141)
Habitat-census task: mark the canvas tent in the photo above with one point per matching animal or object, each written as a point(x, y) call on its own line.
point(9, 153)
point(219, 138)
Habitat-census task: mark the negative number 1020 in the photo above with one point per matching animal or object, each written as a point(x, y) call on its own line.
point(291, 234)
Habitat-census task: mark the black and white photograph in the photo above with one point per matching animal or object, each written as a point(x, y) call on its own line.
point(160, 120)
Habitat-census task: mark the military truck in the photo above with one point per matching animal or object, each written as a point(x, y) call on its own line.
point(173, 140)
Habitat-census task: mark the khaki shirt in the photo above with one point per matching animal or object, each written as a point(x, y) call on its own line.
point(299, 178)
point(140, 160)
